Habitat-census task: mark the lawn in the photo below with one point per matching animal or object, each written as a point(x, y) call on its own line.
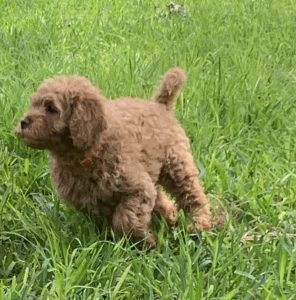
point(238, 109)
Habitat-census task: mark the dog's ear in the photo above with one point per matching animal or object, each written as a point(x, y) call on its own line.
point(87, 120)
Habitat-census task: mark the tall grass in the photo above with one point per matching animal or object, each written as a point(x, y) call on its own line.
point(238, 108)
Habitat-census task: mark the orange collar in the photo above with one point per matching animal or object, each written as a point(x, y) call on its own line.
point(86, 162)
point(89, 159)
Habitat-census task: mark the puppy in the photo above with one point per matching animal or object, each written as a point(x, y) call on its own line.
point(113, 159)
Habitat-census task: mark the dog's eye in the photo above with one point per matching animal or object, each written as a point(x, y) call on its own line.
point(50, 109)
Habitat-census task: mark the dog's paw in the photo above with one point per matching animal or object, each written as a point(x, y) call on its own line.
point(200, 223)
point(150, 242)
point(204, 224)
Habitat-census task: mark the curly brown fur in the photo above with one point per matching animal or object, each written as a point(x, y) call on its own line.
point(109, 158)
point(170, 86)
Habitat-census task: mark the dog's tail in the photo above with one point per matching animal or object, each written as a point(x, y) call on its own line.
point(170, 86)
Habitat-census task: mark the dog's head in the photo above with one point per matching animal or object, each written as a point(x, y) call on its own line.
point(63, 110)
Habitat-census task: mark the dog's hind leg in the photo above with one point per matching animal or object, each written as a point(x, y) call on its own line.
point(180, 177)
point(165, 208)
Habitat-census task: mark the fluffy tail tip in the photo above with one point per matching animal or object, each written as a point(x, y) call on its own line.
point(170, 85)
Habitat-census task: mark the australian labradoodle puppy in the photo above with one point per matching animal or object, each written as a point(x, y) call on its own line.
point(112, 158)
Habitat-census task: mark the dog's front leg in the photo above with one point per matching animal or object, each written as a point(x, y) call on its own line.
point(132, 215)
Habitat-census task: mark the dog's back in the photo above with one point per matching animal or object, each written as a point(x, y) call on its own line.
point(152, 121)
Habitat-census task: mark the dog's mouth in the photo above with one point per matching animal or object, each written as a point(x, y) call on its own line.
point(20, 134)
point(26, 138)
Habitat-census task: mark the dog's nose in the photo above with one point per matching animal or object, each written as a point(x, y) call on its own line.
point(25, 122)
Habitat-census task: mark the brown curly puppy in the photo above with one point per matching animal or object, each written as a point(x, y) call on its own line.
point(112, 158)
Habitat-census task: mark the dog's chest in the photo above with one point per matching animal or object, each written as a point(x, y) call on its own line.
point(86, 187)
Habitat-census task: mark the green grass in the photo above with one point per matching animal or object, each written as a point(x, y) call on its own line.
point(238, 108)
